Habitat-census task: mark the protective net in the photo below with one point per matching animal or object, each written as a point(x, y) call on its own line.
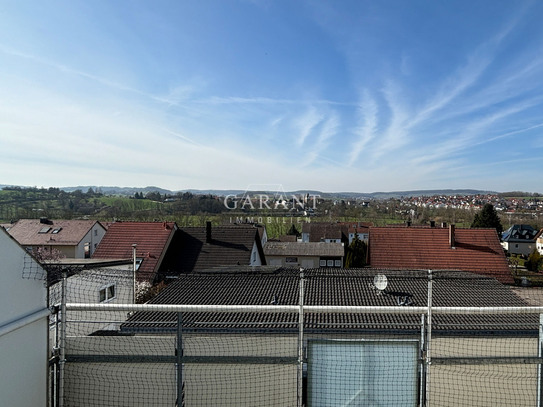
point(279, 337)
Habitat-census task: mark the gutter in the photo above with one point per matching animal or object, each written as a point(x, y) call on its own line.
point(24, 321)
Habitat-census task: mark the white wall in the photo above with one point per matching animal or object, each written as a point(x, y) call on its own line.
point(93, 237)
point(85, 288)
point(23, 352)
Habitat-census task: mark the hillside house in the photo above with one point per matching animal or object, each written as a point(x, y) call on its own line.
point(71, 238)
point(520, 239)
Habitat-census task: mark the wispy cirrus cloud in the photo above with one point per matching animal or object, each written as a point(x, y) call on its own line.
point(367, 112)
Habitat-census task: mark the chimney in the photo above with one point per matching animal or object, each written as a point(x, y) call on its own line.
point(432, 223)
point(408, 223)
point(443, 224)
point(451, 236)
point(208, 232)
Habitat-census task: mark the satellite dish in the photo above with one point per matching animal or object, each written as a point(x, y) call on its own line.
point(380, 282)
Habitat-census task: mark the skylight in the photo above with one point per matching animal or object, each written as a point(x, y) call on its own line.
point(55, 231)
point(45, 229)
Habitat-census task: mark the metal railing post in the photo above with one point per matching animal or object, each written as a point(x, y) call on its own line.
point(62, 341)
point(301, 340)
point(429, 339)
point(539, 368)
point(179, 354)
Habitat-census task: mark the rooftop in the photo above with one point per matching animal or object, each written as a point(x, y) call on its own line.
point(334, 287)
point(200, 248)
point(152, 240)
point(473, 250)
point(45, 232)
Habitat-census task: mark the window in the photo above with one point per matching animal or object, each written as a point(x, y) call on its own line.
point(56, 230)
point(45, 229)
point(322, 263)
point(330, 263)
point(87, 250)
point(291, 260)
point(95, 232)
point(107, 293)
point(349, 373)
point(337, 263)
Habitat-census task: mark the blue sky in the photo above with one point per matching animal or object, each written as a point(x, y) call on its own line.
point(330, 95)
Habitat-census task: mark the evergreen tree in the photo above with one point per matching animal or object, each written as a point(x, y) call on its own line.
point(293, 231)
point(356, 253)
point(487, 217)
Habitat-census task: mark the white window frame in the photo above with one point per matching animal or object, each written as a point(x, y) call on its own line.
point(108, 296)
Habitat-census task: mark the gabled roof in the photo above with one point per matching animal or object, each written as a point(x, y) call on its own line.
point(152, 240)
point(227, 245)
point(520, 234)
point(332, 287)
point(304, 249)
point(474, 250)
point(45, 232)
point(319, 231)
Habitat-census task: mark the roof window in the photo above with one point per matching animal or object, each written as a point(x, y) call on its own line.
point(45, 229)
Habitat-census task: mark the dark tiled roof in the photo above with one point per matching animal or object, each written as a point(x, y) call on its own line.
point(70, 232)
point(475, 250)
point(520, 234)
point(229, 245)
point(304, 249)
point(340, 287)
point(152, 240)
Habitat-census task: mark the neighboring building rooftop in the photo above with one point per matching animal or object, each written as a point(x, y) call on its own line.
point(152, 240)
point(200, 248)
point(46, 232)
point(520, 233)
point(318, 231)
point(304, 249)
point(473, 250)
point(339, 287)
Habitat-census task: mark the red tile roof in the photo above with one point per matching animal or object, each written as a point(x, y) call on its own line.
point(70, 232)
point(475, 250)
point(152, 239)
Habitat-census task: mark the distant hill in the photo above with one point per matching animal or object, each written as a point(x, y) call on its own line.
point(130, 191)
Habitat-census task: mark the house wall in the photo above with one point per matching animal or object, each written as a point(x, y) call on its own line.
point(85, 288)
point(303, 261)
point(522, 248)
point(120, 384)
point(224, 384)
point(23, 352)
point(484, 385)
point(93, 237)
point(228, 384)
point(539, 245)
point(255, 256)
point(240, 384)
point(362, 236)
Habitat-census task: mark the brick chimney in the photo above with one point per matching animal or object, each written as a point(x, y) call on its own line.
point(451, 236)
point(208, 232)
